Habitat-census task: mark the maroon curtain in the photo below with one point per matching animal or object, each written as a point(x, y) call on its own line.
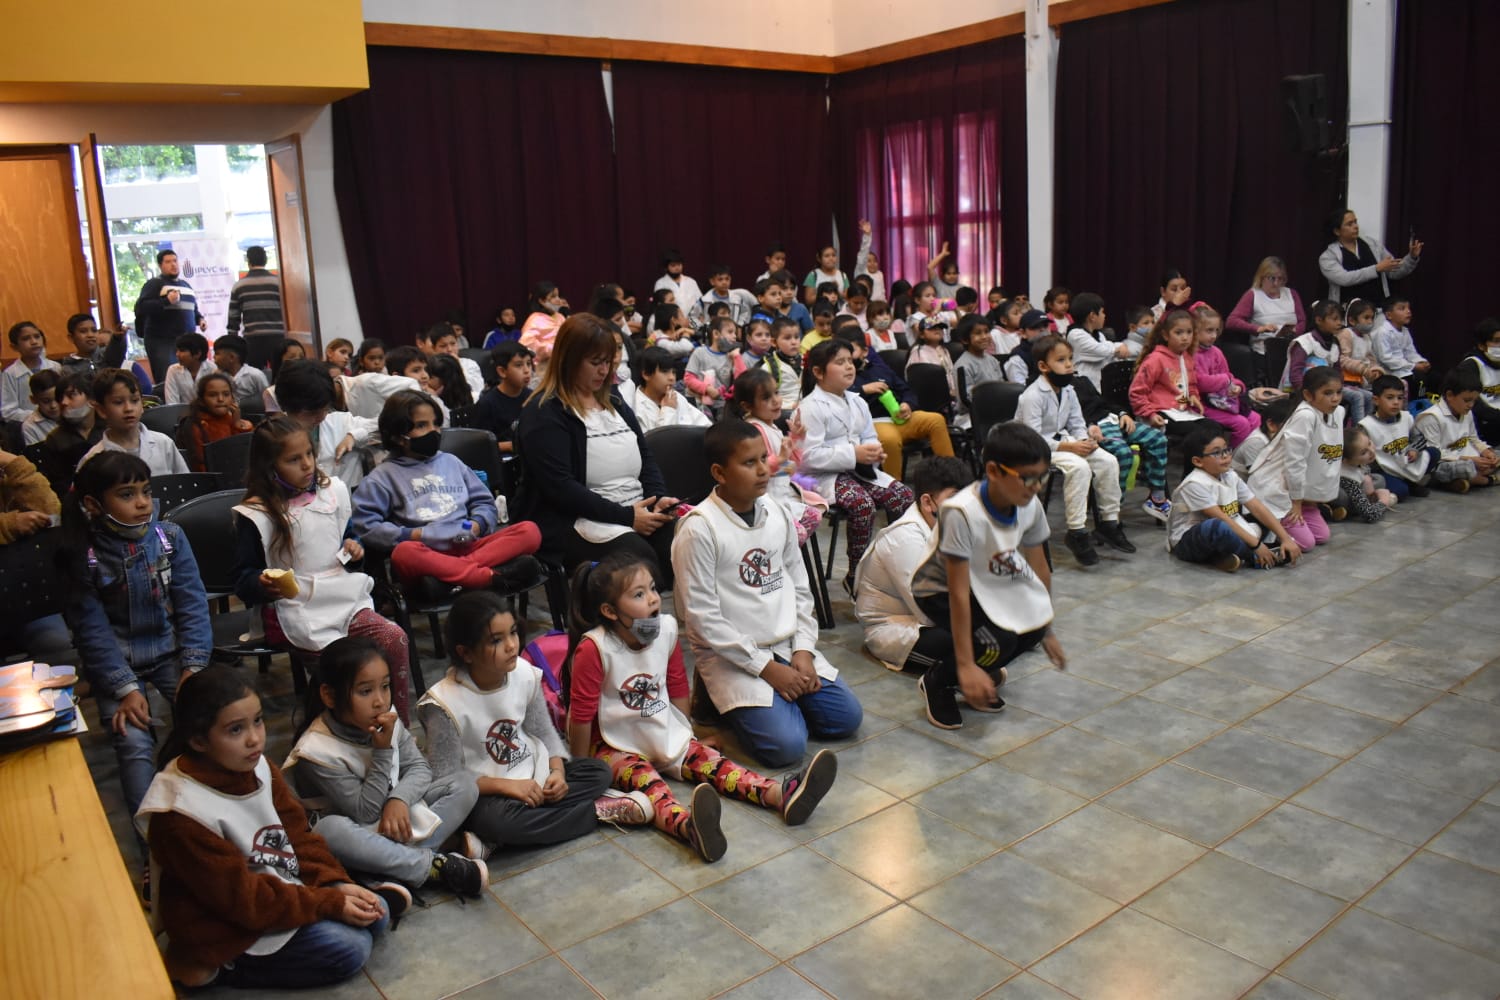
point(935, 149)
point(717, 163)
point(464, 177)
point(1443, 151)
point(1170, 147)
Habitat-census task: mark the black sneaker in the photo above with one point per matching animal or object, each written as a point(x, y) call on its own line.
point(520, 573)
point(801, 793)
point(1112, 533)
point(460, 875)
point(397, 899)
point(942, 709)
point(1419, 490)
point(703, 830)
point(1083, 550)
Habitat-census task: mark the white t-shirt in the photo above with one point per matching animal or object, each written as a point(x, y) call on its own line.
point(613, 461)
point(1197, 493)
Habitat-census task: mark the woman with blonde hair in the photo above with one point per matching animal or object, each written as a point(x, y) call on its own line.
point(1267, 309)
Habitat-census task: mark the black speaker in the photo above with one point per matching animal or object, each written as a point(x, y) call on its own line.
point(1305, 101)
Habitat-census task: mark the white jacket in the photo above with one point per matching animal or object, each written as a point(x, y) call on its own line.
point(882, 588)
point(1302, 461)
point(835, 426)
point(1056, 416)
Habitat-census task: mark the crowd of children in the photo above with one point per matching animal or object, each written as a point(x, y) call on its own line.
point(814, 396)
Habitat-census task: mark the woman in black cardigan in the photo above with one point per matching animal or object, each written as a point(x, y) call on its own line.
point(591, 484)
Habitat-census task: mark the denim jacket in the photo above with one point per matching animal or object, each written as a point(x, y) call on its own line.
point(138, 604)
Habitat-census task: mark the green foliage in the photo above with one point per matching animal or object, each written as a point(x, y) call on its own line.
point(151, 224)
point(243, 158)
point(150, 163)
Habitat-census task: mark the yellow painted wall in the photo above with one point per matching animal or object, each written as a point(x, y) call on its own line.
point(116, 49)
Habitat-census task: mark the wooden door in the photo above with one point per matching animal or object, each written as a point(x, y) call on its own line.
point(101, 247)
point(42, 273)
point(289, 211)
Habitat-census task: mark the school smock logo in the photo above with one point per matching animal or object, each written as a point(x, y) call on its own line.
point(1008, 564)
point(1331, 452)
point(1460, 444)
point(504, 743)
point(272, 848)
point(1230, 509)
point(641, 693)
point(1396, 446)
point(756, 571)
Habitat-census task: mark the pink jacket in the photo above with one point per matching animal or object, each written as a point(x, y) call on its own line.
point(1154, 387)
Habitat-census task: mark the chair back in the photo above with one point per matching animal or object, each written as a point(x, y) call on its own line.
point(1241, 362)
point(1114, 383)
point(478, 450)
point(895, 358)
point(684, 466)
point(13, 437)
point(165, 418)
point(930, 384)
point(32, 584)
point(171, 492)
point(478, 355)
point(1276, 350)
point(254, 408)
point(992, 403)
point(230, 458)
point(208, 523)
point(955, 349)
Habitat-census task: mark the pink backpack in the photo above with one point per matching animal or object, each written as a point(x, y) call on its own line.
point(547, 652)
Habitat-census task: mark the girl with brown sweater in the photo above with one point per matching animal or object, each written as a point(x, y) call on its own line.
point(212, 416)
point(247, 894)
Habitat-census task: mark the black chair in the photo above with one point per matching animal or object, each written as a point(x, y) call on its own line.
point(254, 408)
point(556, 573)
point(476, 449)
point(229, 457)
point(930, 384)
point(1276, 351)
point(165, 418)
point(207, 522)
point(159, 390)
point(895, 358)
point(684, 467)
point(171, 492)
point(955, 349)
point(991, 403)
point(12, 437)
point(32, 584)
point(1114, 384)
point(478, 355)
point(1241, 362)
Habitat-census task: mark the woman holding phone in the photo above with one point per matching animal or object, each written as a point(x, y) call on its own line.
point(1268, 309)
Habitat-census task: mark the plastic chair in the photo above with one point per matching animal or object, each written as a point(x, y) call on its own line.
point(478, 450)
point(556, 582)
point(165, 418)
point(684, 466)
point(478, 355)
point(1114, 384)
point(955, 349)
point(991, 403)
point(930, 384)
point(1276, 351)
point(229, 457)
point(254, 408)
point(207, 522)
point(32, 584)
point(13, 438)
point(171, 492)
point(895, 359)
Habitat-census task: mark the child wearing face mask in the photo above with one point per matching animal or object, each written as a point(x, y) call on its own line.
point(429, 508)
point(710, 368)
point(1357, 359)
point(883, 332)
point(1485, 363)
point(137, 609)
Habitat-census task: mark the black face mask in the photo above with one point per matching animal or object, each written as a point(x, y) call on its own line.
point(425, 446)
point(1059, 380)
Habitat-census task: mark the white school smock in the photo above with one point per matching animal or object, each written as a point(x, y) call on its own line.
point(1197, 492)
point(318, 745)
point(1455, 438)
point(1314, 349)
point(489, 723)
point(1392, 440)
point(328, 595)
point(883, 601)
point(1280, 311)
point(249, 822)
point(1303, 464)
point(743, 595)
point(635, 714)
point(1489, 381)
point(1001, 580)
point(158, 451)
point(651, 414)
point(835, 426)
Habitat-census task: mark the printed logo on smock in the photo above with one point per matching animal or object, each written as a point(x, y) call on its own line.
point(272, 848)
point(1008, 564)
point(505, 744)
point(641, 693)
point(1395, 447)
point(756, 571)
point(1331, 452)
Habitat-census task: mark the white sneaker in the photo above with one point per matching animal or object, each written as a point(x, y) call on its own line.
point(1161, 511)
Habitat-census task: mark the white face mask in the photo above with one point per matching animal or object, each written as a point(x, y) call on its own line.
point(1493, 353)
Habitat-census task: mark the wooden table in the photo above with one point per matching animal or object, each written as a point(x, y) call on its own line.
point(71, 923)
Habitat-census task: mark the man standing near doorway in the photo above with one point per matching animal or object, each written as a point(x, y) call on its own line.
point(167, 308)
point(255, 299)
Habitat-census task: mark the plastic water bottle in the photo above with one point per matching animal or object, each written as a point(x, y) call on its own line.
point(484, 477)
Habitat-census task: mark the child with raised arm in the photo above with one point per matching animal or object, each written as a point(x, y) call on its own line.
point(117, 403)
point(1300, 467)
point(986, 577)
point(743, 593)
point(249, 896)
point(1208, 522)
point(897, 632)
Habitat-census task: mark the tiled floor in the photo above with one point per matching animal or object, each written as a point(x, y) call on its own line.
point(1273, 785)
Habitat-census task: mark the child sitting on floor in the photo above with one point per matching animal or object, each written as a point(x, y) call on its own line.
point(1271, 421)
point(1364, 495)
point(1208, 522)
point(1403, 455)
point(1464, 458)
point(1300, 467)
point(743, 593)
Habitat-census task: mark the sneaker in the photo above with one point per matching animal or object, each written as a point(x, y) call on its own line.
point(1161, 510)
point(1457, 486)
point(703, 828)
point(942, 710)
point(460, 875)
point(1112, 533)
point(520, 573)
point(801, 794)
point(1229, 562)
point(475, 849)
point(397, 899)
point(1419, 490)
point(995, 705)
point(623, 808)
point(1333, 512)
point(1083, 550)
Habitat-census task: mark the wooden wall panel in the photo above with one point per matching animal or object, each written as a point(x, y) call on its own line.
point(289, 209)
point(42, 272)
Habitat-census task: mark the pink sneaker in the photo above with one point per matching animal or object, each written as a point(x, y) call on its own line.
point(623, 808)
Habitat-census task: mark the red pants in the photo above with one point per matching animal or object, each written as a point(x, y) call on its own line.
point(467, 565)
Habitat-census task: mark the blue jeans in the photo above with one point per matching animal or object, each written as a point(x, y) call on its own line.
point(776, 734)
point(363, 850)
point(1402, 487)
point(1208, 540)
point(319, 954)
point(136, 749)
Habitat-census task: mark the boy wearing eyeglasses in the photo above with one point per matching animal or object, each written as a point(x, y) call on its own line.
point(1208, 522)
point(986, 576)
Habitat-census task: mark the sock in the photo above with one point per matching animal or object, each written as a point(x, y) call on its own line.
point(1158, 495)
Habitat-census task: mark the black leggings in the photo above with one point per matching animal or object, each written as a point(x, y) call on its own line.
point(934, 646)
point(994, 646)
